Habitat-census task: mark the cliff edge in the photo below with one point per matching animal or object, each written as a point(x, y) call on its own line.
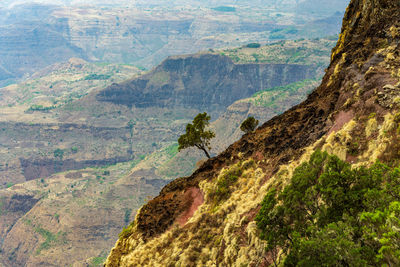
point(193, 223)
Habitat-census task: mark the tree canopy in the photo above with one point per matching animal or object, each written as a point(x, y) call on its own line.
point(334, 215)
point(196, 134)
point(249, 125)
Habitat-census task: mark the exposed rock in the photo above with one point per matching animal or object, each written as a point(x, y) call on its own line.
point(205, 82)
point(42, 168)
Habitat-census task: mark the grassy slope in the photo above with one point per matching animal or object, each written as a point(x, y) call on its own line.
point(303, 52)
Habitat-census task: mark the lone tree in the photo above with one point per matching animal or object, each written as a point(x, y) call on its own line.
point(249, 124)
point(196, 135)
point(58, 153)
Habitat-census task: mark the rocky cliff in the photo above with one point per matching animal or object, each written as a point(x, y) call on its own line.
point(191, 224)
point(203, 81)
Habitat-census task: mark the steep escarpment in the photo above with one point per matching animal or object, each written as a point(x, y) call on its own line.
point(203, 81)
point(353, 114)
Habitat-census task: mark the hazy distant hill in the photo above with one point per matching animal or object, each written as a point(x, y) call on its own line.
point(35, 35)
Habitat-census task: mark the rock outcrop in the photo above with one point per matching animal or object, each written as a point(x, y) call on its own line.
point(203, 81)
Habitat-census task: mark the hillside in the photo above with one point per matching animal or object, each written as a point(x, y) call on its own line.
point(209, 217)
point(68, 157)
point(82, 109)
point(204, 82)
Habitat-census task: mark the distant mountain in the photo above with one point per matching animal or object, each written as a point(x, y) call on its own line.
point(35, 35)
point(204, 82)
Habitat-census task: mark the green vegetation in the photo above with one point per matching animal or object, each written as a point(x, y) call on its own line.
point(249, 125)
point(333, 215)
point(97, 261)
point(95, 76)
point(126, 231)
point(226, 181)
point(64, 85)
point(372, 115)
point(224, 9)
point(136, 161)
point(305, 52)
point(58, 154)
point(196, 135)
point(172, 150)
point(50, 238)
point(291, 87)
point(40, 108)
point(272, 97)
point(253, 45)
point(9, 184)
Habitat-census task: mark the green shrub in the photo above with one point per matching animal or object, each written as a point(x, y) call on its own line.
point(95, 76)
point(40, 108)
point(97, 261)
point(253, 45)
point(228, 179)
point(333, 215)
point(50, 238)
point(58, 153)
point(249, 125)
point(126, 232)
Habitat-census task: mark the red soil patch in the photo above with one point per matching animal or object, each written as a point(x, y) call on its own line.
point(258, 156)
point(342, 118)
point(197, 197)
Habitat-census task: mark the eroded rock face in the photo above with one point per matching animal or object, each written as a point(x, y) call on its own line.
point(205, 82)
point(31, 148)
point(37, 168)
point(13, 205)
point(71, 217)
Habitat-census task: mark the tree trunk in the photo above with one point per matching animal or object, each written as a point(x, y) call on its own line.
point(205, 151)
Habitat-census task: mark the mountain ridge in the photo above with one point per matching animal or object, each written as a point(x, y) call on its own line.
point(356, 102)
point(201, 80)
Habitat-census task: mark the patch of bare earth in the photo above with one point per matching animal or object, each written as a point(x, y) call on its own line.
point(197, 199)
